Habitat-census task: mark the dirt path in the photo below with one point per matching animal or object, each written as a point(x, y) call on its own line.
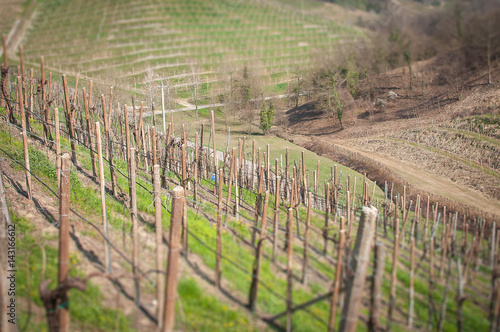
point(431, 183)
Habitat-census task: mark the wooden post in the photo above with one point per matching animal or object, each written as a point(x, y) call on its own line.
point(444, 243)
point(424, 241)
point(289, 271)
point(253, 165)
point(430, 321)
point(195, 165)
point(184, 215)
point(219, 235)
point(214, 150)
point(69, 120)
point(5, 226)
point(153, 147)
point(159, 240)
point(376, 295)
point(493, 233)
point(230, 185)
point(444, 304)
point(25, 138)
point(89, 129)
point(237, 163)
point(306, 239)
point(184, 166)
point(268, 167)
point(254, 287)
point(58, 145)
point(327, 212)
point(143, 136)
point(276, 218)
point(44, 108)
point(103, 194)
point(394, 278)
point(63, 273)
point(361, 257)
point(412, 282)
point(178, 198)
point(287, 176)
point(258, 203)
point(32, 110)
point(336, 284)
point(303, 177)
point(135, 226)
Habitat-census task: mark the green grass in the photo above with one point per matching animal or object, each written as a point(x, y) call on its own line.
point(239, 281)
point(86, 309)
point(202, 312)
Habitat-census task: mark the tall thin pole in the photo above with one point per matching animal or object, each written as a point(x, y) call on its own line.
point(58, 144)
point(361, 254)
point(173, 259)
point(103, 193)
point(25, 137)
point(159, 238)
point(289, 271)
point(336, 285)
point(163, 107)
point(63, 272)
point(133, 201)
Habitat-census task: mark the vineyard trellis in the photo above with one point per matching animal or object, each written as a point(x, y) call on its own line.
point(190, 166)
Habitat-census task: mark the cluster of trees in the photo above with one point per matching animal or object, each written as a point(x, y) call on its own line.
point(464, 33)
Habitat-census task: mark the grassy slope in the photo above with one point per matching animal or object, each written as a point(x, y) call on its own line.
point(242, 255)
point(124, 38)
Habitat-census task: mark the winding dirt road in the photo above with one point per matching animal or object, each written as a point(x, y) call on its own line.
point(432, 183)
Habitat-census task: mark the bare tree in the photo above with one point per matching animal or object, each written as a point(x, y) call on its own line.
point(481, 40)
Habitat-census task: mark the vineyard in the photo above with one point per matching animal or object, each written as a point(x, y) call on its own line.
point(285, 238)
point(186, 43)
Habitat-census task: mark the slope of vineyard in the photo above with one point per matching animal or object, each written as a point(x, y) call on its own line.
point(120, 40)
point(224, 217)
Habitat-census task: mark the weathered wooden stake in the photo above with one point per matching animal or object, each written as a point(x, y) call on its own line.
point(178, 198)
point(69, 120)
point(159, 240)
point(63, 273)
point(254, 287)
point(289, 272)
point(306, 239)
point(214, 151)
point(327, 212)
point(135, 226)
point(58, 145)
point(276, 218)
point(89, 129)
point(338, 277)
point(25, 138)
point(412, 282)
point(394, 278)
point(361, 257)
point(219, 234)
point(376, 294)
point(103, 194)
point(430, 320)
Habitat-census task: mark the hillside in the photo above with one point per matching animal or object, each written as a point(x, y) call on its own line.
point(184, 42)
point(317, 167)
point(434, 137)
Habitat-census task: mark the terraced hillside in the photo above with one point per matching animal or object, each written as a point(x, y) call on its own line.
point(11, 9)
point(122, 39)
